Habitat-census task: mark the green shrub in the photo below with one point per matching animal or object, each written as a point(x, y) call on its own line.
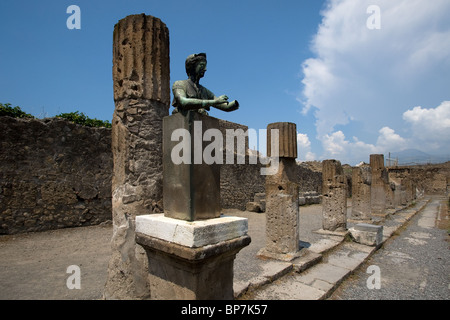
point(75, 117)
point(16, 112)
point(81, 118)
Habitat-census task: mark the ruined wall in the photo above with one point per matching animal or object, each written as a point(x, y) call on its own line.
point(310, 177)
point(53, 174)
point(56, 174)
point(430, 179)
point(238, 182)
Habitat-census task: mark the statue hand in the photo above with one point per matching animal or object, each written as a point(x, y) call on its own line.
point(221, 99)
point(233, 105)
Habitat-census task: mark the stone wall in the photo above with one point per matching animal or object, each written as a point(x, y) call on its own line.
point(429, 179)
point(53, 174)
point(310, 177)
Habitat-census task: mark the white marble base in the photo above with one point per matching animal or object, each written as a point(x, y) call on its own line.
point(192, 234)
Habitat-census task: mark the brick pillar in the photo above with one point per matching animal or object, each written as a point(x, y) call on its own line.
point(142, 98)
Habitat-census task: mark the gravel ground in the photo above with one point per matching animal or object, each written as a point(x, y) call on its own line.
point(414, 264)
point(34, 265)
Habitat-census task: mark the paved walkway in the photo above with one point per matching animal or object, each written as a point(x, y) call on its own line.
point(326, 263)
point(34, 265)
point(412, 265)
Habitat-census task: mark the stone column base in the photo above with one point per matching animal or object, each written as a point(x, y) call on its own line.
point(183, 271)
point(289, 256)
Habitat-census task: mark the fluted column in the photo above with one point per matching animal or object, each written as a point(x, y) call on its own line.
point(142, 98)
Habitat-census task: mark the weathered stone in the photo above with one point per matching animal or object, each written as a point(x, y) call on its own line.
point(367, 234)
point(141, 60)
point(282, 192)
point(253, 207)
point(192, 234)
point(260, 199)
point(192, 187)
point(334, 196)
point(361, 185)
point(181, 270)
point(47, 170)
point(287, 134)
point(379, 184)
point(142, 97)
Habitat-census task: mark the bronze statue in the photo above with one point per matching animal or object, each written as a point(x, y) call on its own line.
point(190, 95)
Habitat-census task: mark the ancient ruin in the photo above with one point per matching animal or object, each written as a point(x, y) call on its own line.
point(361, 192)
point(170, 238)
point(142, 98)
point(191, 248)
point(282, 208)
point(379, 184)
point(334, 196)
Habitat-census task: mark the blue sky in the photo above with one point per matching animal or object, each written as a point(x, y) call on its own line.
point(351, 90)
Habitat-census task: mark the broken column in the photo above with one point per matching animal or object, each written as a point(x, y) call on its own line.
point(282, 191)
point(361, 184)
point(379, 184)
point(142, 98)
point(334, 196)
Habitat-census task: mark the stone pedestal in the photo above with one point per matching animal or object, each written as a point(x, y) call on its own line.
point(361, 185)
point(142, 98)
point(282, 206)
point(191, 186)
point(334, 196)
point(191, 260)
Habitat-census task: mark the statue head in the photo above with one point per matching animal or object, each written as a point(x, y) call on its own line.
point(196, 65)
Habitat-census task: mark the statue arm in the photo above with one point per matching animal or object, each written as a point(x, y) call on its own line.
point(194, 103)
point(228, 106)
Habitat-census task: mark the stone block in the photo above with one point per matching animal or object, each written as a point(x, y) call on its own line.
point(301, 201)
point(181, 270)
point(282, 224)
point(191, 188)
point(192, 234)
point(253, 207)
point(367, 234)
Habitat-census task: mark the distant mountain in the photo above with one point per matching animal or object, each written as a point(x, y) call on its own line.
point(414, 156)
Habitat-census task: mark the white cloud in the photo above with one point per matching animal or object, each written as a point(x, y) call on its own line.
point(388, 140)
point(304, 146)
point(373, 76)
point(430, 126)
point(336, 146)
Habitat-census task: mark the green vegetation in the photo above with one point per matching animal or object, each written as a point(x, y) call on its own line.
point(16, 112)
point(81, 118)
point(75, 117)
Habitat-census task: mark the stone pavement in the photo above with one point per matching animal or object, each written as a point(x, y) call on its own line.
point(33, 265)
point(327, 260)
